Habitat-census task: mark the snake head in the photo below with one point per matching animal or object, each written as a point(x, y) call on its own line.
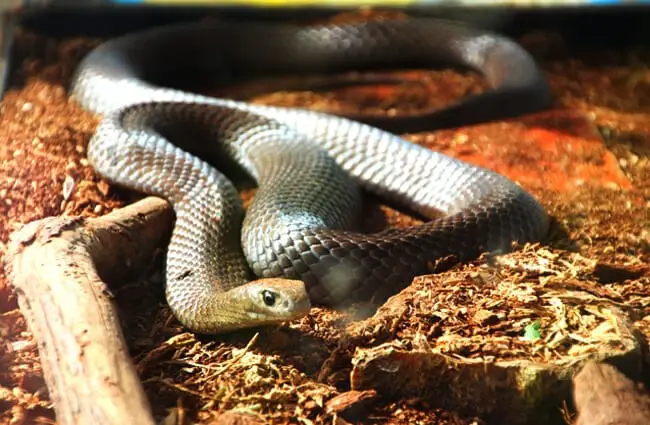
point(275, 300)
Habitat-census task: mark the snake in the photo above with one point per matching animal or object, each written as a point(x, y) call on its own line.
point(297, 244)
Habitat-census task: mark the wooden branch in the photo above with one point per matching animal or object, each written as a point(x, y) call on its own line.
point(55, 265)
point(604, 396)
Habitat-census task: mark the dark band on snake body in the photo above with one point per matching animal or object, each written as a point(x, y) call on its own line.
point(308, 165)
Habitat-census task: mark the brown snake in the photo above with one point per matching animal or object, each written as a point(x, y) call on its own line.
point(297, 236)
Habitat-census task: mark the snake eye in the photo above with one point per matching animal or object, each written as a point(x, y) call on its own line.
point(268, 297)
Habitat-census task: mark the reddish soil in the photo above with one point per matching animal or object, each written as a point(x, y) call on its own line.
point(587, 160)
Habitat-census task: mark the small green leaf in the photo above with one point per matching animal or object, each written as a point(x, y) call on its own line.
point(532, 331)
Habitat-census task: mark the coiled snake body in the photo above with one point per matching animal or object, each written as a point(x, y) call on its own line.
point(297, 235)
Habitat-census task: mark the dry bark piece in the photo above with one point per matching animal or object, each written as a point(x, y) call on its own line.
point(613, 273)
point(605, 396)
point(55, 266)
point(237, 418)
point(350, 404)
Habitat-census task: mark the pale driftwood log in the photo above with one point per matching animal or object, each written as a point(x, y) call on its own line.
point(55, 265)
point(604, 396)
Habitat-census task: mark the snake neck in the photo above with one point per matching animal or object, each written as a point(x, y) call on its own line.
point(209, 311)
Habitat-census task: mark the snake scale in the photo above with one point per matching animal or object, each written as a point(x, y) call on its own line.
point(297, 237)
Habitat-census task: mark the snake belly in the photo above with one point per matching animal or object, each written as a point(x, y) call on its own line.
point(310, 167)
